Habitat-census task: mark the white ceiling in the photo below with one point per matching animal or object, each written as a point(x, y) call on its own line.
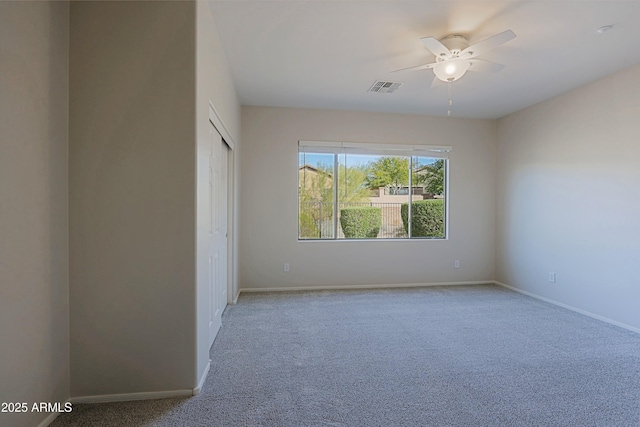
point(326, 54)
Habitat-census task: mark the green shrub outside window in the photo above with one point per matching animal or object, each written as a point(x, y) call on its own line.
point(361, 222)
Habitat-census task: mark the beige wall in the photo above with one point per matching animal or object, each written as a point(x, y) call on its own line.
point(132, 191)
point(268, 219)
point(215, 85)
point(124, 77)
point(568, 193)
point(34, 277)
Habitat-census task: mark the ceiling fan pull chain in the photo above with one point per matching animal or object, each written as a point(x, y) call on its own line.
point(450, 100)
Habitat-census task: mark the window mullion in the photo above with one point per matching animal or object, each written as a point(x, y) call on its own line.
point(335, 196)
point(409, 219)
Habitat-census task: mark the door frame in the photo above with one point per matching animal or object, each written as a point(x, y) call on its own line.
point(217, 123)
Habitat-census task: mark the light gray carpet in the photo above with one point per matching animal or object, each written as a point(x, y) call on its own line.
point(442, 356)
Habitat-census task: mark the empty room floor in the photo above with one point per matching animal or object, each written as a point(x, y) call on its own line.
point(438, 356)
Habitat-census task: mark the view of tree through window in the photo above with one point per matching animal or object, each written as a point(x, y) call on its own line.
point(370, 196)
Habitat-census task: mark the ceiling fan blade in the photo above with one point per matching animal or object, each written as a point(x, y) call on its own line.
point(436, 82)
point(417, 67)
point(487, 44)
point(437, 48)
point(484, 66)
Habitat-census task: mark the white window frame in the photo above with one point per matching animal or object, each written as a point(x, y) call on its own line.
point(337, 148)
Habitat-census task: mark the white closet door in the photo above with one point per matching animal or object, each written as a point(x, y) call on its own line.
point(221, 233)
point(217, 229)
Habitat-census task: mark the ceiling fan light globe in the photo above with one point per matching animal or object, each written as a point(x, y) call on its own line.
point(450, 71)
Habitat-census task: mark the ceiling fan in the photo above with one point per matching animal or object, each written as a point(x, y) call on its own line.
point(454, 56)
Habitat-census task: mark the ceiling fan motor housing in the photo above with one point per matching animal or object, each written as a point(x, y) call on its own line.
point(456, 43)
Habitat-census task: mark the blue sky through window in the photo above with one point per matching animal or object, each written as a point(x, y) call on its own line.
point(313, 159)
point(317, 159)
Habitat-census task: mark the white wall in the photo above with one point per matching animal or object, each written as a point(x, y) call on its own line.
point(34, 276)
point(132, 197)
point(215, 81)
point(268, 205)
point(568, 193)
point(214, 84)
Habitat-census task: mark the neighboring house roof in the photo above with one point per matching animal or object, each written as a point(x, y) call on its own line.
point(423, 168)
point(313, 169)
point(308, 176)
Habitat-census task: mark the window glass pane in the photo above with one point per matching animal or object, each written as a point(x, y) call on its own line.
point(315, 195)
point(428, 206)
point(371, 191)
point(361, 195)
point(389, 177)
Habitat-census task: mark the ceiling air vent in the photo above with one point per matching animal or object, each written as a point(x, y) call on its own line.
point(384, 87)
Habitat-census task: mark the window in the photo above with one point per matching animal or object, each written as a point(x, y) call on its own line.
point(371, 191)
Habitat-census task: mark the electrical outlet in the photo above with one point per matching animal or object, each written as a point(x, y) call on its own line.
point(286, 267)
point(552, 277)
point(456, 263)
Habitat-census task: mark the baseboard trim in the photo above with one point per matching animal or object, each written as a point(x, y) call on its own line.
point(125, 397)
point(352, 287)
point(50, 418)
point(569, 307)
point(203, 378)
